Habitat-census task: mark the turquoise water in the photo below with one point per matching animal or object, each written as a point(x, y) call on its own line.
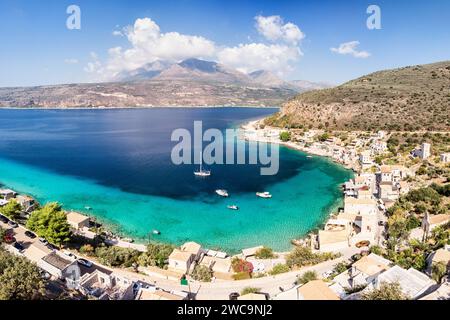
point(274, 222)
point(303, 193)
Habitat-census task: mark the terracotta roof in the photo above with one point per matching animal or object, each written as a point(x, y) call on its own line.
point(372, 264)
point(253, 296)
point(317, 290)
point(76, 217)
point(180, 255)
point(191, 247)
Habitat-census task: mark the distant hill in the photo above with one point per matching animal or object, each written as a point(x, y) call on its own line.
point(192, 82)
point(410, 98)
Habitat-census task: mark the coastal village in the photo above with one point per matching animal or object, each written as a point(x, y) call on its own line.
point(347, 258)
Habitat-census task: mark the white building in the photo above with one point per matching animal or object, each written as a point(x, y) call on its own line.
point(365, 158)
point(424, 152)
point(445, 157)
point(412, 282)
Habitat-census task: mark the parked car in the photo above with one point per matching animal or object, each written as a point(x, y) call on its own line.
point(327, 274)
point(85, 263)
point(19, 247)
point(30, 234)
point(381, 223)
point(12, 224)
point(51, 246)
point(43, 241)
point(4, 219)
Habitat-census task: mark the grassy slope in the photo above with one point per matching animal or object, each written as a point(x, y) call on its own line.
point(410, 98)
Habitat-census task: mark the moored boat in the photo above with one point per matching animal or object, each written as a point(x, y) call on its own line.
point(222, 192)
point(233, 207)
point(265, 195)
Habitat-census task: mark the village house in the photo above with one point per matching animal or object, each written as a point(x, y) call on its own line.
point(413, 283)
point(432, 221)
point(58, 266)
point(77, 221)
point(423, 152)
point(316, 290)
point(254, 296)
point(157, 294)
point(445, 157)
point(7, 194)
point(335, 236)
point(439, 256)
point(217, 265)
point(378, 147)
point(365, 159)
point(360, 274)
point(102, 286)
point(28, 203)
point(184, 259)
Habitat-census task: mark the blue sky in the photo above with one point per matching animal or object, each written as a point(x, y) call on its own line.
point(37, 48)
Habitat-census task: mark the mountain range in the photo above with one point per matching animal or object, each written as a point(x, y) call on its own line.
point(192, 82)
point(411, 98)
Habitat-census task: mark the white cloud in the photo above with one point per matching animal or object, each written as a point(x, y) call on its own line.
point(148, 44)
point(117, 33)
point(273, 28)
point(256, 56)
point(350, 48)
point(71, 61)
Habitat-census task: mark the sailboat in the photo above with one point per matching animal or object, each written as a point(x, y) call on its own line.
point(201, 172)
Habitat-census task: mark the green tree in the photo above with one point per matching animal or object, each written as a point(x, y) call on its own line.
point(306, 277)
point(11, 210)
point(157, 254)
point(50, 222)
point(323, 137)
point(387, 291)
point(285, 136)
point(19, 278)
point(438, 271)
point(265, 253)
point(202, 273)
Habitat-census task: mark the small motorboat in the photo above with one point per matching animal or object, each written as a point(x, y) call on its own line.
point(233, 207)
point(309, 157)
point(222, 192)
point(265, 195)
point(156, 232)
point(88, 208)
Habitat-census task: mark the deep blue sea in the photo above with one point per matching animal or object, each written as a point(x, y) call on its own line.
point(118, 162)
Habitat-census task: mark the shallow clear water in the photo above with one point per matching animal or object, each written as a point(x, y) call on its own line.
point(118, 163)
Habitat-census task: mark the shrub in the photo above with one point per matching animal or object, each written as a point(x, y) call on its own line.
point(87, 249)
point(285, 136)
point(240, 265)
point(306, 277)
point(116, 256)
point(250, 290)
point(202, 273)
point(279, 268)
point(387, 291)
point(265, 253)
point(302, 256)
point(241, 276)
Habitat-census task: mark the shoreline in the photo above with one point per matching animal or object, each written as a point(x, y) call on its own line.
point(138, 107)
